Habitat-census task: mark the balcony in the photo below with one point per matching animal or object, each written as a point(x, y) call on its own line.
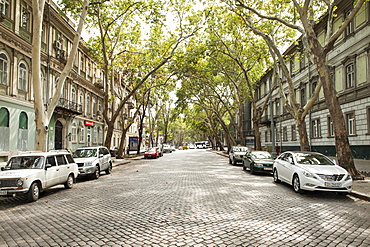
point(68, 107)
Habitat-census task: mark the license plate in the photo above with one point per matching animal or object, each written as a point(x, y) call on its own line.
point(3, 192)
point(333, 184)
point(267, 169)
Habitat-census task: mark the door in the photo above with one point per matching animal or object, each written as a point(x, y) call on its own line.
point(51, 172)
point(58, 142)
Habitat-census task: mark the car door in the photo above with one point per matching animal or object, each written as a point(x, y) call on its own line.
point(63, 168)
point(247, 160)
point(51, 172)
point(285, 172)
point(102, 159)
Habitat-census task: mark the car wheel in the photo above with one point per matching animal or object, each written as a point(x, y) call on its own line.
point(96, 174)
point(230, 162)
point(296, 184)
point(276, 176)
point(69, 183)
point(34, 192)
point(234, 162)
point(244, 168)
point(109, 169)
point(251, 168)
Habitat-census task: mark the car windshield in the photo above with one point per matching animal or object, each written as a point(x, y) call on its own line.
point(151, 150)
point(261, 155)
point(85, 153)
point(25, 162)
point(313, 159)
point(240, 149)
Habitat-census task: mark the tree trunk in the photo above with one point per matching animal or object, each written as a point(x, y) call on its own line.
point(257, 135)
point(302, 133)
point(344, 153)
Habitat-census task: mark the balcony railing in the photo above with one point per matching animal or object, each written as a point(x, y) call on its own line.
point(69, 106)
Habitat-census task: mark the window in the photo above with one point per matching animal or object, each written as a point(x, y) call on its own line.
point(350, 27)
point(94, 106)
point(88, 104)
point(25, 18)
point(330, 127)
point(350, 121)
point(4, 64)
point(74, 132)
point(23, 132)
point(368, 119)
point(100, 135)
point(73, 95)
point(5, 8)
point(350, 76)
point(81, 101)
point(266, 136)
point(285, 133)
point(22, 76)
point(316, 128)
point(277, 107)
point(303, 97)
point(82, 133)
point(4, 129)
point(95, 135)
point(294, 133)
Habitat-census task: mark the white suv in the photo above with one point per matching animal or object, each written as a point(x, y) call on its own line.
point(92, 160)
point(31, 173)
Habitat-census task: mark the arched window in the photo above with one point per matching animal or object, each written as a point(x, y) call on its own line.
point(4, 129)
point(4, 65)
point(73, 95)
point(94, 106)
point(22, 76)
point(74, 132)
point(23, 132)
point(81, 101)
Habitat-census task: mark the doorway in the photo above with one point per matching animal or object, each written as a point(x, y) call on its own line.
point(58, 142)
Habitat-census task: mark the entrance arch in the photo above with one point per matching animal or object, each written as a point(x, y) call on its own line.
point(58, 141)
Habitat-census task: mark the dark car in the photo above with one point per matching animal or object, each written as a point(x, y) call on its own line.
point(258, 162)
point(152, 153)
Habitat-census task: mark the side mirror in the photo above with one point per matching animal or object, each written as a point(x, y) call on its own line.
point(48, 166)
point(101, 155)
point(290, 160)
point(334, 161)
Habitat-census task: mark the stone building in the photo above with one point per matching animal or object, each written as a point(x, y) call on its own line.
point(349, 62)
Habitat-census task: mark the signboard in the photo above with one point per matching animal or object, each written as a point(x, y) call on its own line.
point(249, 142)
point(89, 123)
point(133, 144)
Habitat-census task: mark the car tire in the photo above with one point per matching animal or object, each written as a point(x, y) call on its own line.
point(109, 169)
point(96, 174)
point(251, 169)
point(69, 183)
point(244, 168)
point(33, 193)
point(230, 162)
point(276, 176)
point(296, 184)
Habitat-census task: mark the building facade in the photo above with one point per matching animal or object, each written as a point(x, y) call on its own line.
point(77, 120)
point(349, 62)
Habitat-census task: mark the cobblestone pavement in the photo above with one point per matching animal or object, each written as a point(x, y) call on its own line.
point(187, 198)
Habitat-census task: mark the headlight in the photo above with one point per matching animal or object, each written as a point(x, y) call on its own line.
point(348, 177)
point(19, 182)
point(258, 165)
point(308, 174)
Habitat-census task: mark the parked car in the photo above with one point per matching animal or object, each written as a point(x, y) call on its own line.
point(311, 171)
point(236, 154)
point(167, 148)
point(113, 151)
point(31, 173)
point(92, 160)
point(258, 161)
point(151, 153)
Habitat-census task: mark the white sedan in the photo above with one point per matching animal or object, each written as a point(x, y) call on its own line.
point(311, 171)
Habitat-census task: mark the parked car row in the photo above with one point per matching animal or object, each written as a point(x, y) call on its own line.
point(32, 172)
point(309, 171)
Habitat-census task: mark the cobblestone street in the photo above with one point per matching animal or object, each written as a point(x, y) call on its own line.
point(186, 198)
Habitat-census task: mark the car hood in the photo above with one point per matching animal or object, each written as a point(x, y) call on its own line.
point(240, 153)
point(19, 173)
point(84, 160)
point(327, 170)
point(264, 161)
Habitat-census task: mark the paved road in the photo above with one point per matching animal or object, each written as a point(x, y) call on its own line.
point(187, 198)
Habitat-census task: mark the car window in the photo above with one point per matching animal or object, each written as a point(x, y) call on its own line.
point(103, 151)
point(313, 159)
point(70, 159)
point(85, 153)
point(261, 155)
point(61, 160)
point(28, 162)
point(51, 161)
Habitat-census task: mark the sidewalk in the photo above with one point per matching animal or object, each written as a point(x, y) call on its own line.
point(361, 188)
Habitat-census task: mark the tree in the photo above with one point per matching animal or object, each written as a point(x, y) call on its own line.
point(43, 114)
point(310, 11)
